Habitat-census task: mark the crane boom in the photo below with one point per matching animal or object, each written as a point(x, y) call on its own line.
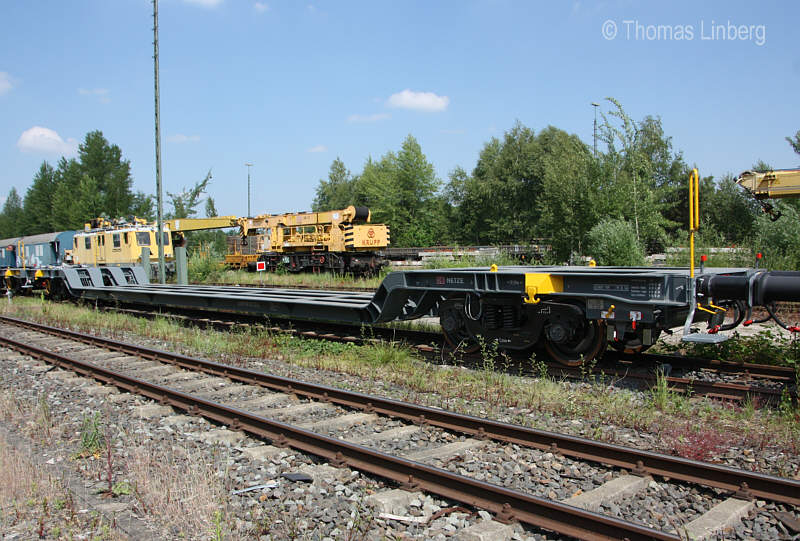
point(776, 184)
point(771, 184)
point(198, 224)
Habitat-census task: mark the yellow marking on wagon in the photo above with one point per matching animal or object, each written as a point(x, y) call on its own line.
point(541, 283)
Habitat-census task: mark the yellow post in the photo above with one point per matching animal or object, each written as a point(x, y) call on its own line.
point(694, 215)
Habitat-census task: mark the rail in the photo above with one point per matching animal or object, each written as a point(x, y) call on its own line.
point(760, 485)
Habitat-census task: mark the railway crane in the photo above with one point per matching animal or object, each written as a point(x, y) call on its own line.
point(776, 184)
point(341, 241)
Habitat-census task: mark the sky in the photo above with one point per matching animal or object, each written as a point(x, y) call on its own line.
point(290, 86)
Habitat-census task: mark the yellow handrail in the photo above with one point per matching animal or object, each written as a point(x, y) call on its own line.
point(694, 214)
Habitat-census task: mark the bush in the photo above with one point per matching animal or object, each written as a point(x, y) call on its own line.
point(613, 242)
point(778, 240)
point(205, 267)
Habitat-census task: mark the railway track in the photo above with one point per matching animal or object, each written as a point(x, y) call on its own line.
point(735, 381)
point(236, 397)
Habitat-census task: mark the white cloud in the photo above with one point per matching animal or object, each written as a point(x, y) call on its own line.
point(6, 84)
point(418, 101)
point(101, 93)
point(46, 141)
point(318, 148)
point(368, 118)
point(204, 3)
point(181, 138)
point(261, 7)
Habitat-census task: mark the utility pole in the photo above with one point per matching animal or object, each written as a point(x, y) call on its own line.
point(162, 274)
point(595, 105)
point(249, 165)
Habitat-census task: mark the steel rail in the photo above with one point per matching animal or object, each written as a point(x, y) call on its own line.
point(716, 389)
point(507, 504)
point(724, 367)
point(420, 341)
point(759, 485)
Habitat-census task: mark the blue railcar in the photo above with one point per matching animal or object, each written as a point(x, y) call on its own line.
point(35, 251)
point(8, 252)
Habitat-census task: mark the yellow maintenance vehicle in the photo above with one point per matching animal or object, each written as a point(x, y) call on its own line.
point(336, 240)
point(120, 242)
point(777, 184)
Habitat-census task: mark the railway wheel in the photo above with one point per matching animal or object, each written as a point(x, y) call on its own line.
point(454, 327)
point(572, 345)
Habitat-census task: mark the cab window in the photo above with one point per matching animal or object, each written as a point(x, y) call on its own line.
point(115, 238)
point(125, 237)
point(87, 241)
point(143, 238)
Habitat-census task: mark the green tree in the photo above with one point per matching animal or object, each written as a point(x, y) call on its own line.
point(336, 192)
point(728, 210)
point(629, 162)
point(103, 162)
point(142, 206)
point(184, 203)
point(795, 142)
point(567, 202)
point(90, 200)
point(38, 203)
point(66, 214)
point(12, 216)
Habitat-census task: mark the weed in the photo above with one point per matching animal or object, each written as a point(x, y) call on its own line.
point(92, 439)
point(539, 367)
point(218, 523)
point(695, 443)
point(44, 418)
point(661, 395)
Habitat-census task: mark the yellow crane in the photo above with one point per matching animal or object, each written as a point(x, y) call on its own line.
point(777, 184)
point(337, 240)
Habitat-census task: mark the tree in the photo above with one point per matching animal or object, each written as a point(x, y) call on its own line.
point(637, 194)
point(761, 167)
point(795, 142)
point(38, 202)
point(90, 201)
point(66, 214)
point(567, 202)
point(336, 192)
point(11, 216)
point(498, 202)
point(142, 206)
point(184, 203)
point(103, 162)
point(400, 189)
point(729, 210)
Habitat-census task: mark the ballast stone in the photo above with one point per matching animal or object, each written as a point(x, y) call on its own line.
point(394, 502)
point(486, 530)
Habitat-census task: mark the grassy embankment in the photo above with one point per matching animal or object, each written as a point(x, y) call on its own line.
point(490, 390)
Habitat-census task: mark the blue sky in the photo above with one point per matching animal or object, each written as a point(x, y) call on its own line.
point(289, 86)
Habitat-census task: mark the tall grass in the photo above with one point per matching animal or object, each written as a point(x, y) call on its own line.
point(205, 267)
point(305, 279)
point(480, 260)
